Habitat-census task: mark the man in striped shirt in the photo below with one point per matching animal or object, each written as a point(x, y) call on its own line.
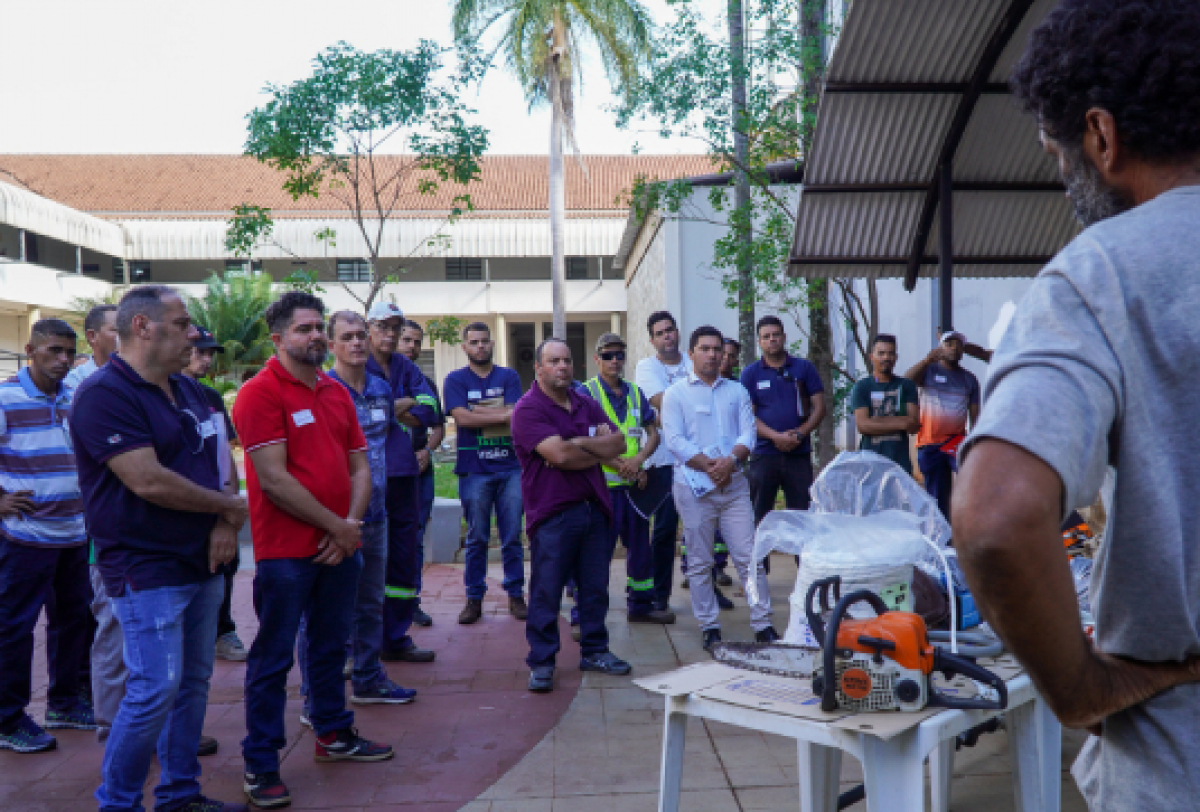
point(43, 550)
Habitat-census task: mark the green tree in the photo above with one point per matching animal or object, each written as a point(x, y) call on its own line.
point(337, 135)
point(541, 41)
point(232, 308)
point(750, 101)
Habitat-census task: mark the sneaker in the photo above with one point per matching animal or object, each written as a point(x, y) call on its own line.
point(202, 804)
point(723, 602)
point(266, 790)
point(229, 647)
point(347, 745)
point(412, 654)
point(606, 663)
point(471, 612)
point(541, 679)
point(422, 618)
point(517, 607)
point(384, 692)
point(653, 616)
point(767, 635)
point(576, 632)
point(79, 718)
point(207, 746)
point(27, 737)
point(711, 638)
point(723, 578)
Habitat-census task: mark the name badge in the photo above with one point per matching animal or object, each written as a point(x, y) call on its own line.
point(207, 429)
point(764, 384)
point(877, 397)
point(703, 410)
point(474, 395)
point(497, 391)
point(939, 378)
point(637, 434)
point(378, 416)
point(591, 431)
point(303, 418)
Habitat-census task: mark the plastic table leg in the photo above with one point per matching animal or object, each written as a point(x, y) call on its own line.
point(895, 772)
point(941, 768)
point(674, 734)
point(1036, 739)
point(820, 776)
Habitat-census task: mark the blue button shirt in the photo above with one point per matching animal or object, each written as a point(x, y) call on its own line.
point(775, 394)
point(697, 417)
point(376, 417)
point(141, 545)
point(406, 381)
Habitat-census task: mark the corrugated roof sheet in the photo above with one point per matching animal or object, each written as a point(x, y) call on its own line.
point(1001, 144)
point(211, 185)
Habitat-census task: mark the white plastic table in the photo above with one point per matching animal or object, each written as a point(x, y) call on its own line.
point(893, 769)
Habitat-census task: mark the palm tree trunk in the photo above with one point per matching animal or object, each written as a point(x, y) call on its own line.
point(558, 211)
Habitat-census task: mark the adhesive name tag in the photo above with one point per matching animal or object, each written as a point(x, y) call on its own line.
point(378, 415)
point(303, 417)
point(474, 394)
point(591, 431)
point(764, 384)
point(207, 429)
point(939, 378)
point(877, 397)
point(493, 392)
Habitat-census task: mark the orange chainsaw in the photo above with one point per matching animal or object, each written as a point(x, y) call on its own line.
point(885, 662)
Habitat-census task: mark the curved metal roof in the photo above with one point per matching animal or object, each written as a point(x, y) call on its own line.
point(23, 209)
point(913, 85)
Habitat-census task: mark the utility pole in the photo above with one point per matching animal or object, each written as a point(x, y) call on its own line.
point(741, 182)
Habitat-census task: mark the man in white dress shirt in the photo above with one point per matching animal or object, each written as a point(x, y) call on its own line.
point(708, 426)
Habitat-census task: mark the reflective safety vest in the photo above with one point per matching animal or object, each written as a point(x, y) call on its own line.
point(631, 426)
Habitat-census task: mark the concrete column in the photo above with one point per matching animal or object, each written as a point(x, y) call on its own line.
point(614, 321)
point(539, 335)
point(21, 241)
point(78, 259)
point(501, 339)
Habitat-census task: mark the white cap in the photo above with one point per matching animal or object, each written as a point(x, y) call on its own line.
point(382, 311)
point(949, 334)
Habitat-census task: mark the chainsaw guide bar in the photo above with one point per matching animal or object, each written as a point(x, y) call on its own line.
point(780, 659)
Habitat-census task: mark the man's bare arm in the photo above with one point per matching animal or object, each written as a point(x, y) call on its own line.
point(819, 409)
point(481, 417)
point(270, 464)
point(1006, 513)
point(360, 485)
point(141, 472)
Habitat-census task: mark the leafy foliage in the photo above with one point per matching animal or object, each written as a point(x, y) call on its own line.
point(445, 330)
point(232, 308)
point(331, 134)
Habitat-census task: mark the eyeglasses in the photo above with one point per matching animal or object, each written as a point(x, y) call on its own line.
point(384, 327)
point(618, 355)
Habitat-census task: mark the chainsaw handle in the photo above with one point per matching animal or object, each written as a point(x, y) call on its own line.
point(952, 664)
point(821, 588)
point(829, 701)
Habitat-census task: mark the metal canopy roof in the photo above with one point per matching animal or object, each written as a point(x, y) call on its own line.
point(915, 103)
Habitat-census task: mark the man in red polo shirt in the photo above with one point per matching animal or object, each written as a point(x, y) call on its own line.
point(310, 483)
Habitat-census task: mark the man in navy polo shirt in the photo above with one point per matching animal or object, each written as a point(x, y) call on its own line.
point(561, 438)
point(789, 404)
point(146, 449)
point(480, 398)
point(414, 407)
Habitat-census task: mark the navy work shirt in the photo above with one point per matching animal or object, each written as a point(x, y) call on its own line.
point(478, 454)
point(775, 394)
point(406, 381)
point(141, 545)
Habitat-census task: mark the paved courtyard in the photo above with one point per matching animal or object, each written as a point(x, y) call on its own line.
point(476, 740)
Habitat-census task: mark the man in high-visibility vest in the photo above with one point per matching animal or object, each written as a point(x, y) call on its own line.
point(628, 409)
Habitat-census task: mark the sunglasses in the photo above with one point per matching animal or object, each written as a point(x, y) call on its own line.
point(618, 355)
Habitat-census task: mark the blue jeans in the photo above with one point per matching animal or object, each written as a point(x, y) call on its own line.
point(285, 590)
point(575, 543)
point(32, 578)
point(425, 496)
point(938, 468)
point(480, 494)
point(168, 634)
point(366, 635)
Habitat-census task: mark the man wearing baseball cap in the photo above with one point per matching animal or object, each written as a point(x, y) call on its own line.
point(415, 406)
point(949, 399)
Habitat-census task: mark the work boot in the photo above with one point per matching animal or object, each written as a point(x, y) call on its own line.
point(711, 638)
point(606, 663)
point(767, 635)
point(207, 747)
point(722, 601)
point(517, 607)
point(722, 578)
point(541, 679)
point(576, 632)
point(421, 617)
point(653, 616)
point(409, 654)
point(683, 583)
point(471, 612)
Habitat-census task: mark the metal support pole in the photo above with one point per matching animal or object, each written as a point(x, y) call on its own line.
point(21, 239)
point(78, 259)
point(946, 251)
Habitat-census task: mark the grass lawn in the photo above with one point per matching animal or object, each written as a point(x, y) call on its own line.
point(445, 483)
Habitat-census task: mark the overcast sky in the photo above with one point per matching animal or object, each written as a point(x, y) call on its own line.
point(132, 76)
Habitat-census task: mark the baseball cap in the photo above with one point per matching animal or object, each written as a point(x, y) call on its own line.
point(381, 311)
point(607, 340)
point(206, 340)
point(949, 334)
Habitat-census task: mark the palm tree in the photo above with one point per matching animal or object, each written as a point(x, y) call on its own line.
point(232, 308)
point(541, 40)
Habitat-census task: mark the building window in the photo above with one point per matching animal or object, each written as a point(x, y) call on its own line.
point(235, 266)
point(91, 268)
point(31, 247)
point(118, 272)
point(577, 268)
point(353, 270)
point(468, 269)
point(139, 273)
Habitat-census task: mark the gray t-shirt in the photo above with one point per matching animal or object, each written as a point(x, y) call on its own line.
point(1099, 367)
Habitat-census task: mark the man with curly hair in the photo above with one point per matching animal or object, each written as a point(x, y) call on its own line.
point(1094, 373)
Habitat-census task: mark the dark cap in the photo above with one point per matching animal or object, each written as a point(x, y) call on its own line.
point(206, 341)
point(609, 340)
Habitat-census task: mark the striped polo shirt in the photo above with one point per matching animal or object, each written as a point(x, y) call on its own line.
point(36, 455)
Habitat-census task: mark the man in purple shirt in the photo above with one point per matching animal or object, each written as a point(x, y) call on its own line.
point(560, 438)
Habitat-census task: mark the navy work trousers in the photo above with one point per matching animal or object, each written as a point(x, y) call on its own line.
point(403, 572)
point(634, 531)
point(663, 536)
point(938, 468)
point(575, 543)
point(29, 576)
